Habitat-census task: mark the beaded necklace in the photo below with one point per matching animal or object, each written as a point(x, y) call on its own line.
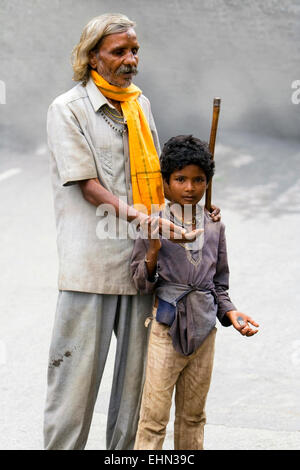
point(110, 117)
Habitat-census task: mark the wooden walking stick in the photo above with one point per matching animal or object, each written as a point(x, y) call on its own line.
point(212, 141)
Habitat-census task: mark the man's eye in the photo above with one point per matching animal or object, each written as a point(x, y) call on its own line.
point(119, 52)
point(135, 51)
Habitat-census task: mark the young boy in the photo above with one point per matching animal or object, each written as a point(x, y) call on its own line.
point(190, 281)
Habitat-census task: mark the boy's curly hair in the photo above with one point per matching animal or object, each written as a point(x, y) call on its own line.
point(184, 150)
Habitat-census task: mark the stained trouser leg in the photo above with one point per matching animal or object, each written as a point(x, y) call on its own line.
point(191, 392)
point(80, 342)
point(129, 368)
point(164, 366)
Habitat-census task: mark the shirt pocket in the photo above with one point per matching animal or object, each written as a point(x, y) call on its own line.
point(104, 155)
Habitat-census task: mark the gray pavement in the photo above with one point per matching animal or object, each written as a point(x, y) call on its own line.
point(254, 398)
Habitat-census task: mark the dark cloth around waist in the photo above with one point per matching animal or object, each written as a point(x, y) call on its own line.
point(190, 311)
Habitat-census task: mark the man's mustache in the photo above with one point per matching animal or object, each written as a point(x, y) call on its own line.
point(127, 69)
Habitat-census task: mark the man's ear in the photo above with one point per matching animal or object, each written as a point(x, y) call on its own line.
point(93, 59)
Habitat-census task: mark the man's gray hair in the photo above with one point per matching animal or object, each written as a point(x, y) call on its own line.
point(92, 34)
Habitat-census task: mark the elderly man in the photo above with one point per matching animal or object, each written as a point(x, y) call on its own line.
point(104, 150)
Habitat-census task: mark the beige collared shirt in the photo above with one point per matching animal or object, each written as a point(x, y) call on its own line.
point(83, 146)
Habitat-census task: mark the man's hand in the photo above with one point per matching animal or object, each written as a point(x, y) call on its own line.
point(240, 322)
point(215, 213)
point(152, 226)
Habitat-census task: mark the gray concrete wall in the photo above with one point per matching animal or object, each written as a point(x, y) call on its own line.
point(246, 51)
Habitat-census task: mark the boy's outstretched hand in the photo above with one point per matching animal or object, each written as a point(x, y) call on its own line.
point(240, 322)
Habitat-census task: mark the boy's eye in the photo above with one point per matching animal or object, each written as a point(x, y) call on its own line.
point(180, 178)
point(199, 179)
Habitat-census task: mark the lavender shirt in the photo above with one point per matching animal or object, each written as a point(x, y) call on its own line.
point(206, 268)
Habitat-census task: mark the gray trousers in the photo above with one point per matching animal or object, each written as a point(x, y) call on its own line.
point(80, 343)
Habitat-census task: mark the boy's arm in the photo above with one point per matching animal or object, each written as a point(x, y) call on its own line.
point(151, 257)
point(143, 264)
point(221, 281)
point(227, 312)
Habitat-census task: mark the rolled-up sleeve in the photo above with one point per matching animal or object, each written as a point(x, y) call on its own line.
point(221, 281)
point(139, 269)
point(68, 145)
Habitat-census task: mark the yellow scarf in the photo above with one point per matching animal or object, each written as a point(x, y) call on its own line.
point(147, 185)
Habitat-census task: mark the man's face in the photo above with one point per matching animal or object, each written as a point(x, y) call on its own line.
point(117, 58)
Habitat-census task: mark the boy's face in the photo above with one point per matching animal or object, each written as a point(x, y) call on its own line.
point(187, 186)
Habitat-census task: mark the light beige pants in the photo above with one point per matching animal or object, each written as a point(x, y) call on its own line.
point(191, 375)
